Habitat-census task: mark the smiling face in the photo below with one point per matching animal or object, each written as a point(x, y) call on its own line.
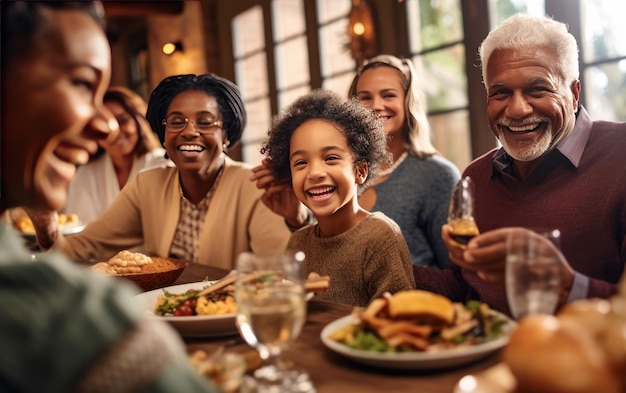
point(122, 143)
point(190, 150)
point(323, 173)
point(530, 107)
point(55, 111)
point(380, 88)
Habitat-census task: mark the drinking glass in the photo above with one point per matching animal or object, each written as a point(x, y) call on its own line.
point(461, 212)
point(271, 313)
point(532, 271)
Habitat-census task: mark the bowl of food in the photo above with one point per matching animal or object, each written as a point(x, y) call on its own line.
point(147, 272)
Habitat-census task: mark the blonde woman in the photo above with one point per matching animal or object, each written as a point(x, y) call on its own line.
point(414, 191)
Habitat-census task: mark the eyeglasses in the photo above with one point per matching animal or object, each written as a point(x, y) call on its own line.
point(204, 124)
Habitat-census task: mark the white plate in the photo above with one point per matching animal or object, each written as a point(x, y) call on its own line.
point(413, 360)
point(191, 326)
point(65, 229)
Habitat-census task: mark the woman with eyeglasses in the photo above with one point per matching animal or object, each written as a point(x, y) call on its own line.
point(119, 158)
point(202, 210)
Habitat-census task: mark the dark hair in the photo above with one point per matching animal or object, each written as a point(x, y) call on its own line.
point(362, 128)
point(22, 21)
point(135, 106)
point(226, 94)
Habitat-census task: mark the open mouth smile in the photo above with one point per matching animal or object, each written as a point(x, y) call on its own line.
point(321, 192)
point(521, 129)
point(191, 151)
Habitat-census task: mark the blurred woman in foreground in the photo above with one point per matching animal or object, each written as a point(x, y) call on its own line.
point(65, 329)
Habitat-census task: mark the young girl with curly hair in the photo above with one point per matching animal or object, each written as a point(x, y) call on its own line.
point(329, 149)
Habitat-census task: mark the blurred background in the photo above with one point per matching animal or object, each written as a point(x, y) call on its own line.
point(277, 50)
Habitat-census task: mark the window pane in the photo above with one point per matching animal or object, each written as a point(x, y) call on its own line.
point(247, 30)
point(256, 130)
point(442, 77)
point(604, 29)
point(499, 10)
point(286, 98)
point(292, 63)
point(605, 91)
point(334, 53)
point(288, 18)
point(328, 10)
point(339, 84)
point(251, 153)
point(450, 134)
point(251, 74)
point(433, 23)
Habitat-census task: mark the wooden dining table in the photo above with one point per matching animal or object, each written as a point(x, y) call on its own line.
point(329, 371)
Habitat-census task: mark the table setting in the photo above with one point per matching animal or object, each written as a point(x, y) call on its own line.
point(270, 332)
point(281, 338)
point(330, 370)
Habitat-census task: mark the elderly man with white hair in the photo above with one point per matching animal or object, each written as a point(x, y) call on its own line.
point(556, 169)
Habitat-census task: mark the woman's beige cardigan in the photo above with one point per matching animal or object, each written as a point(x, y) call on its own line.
point(145, 214)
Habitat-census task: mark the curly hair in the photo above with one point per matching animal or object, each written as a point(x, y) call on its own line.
point(362, 128)
point(226, 94)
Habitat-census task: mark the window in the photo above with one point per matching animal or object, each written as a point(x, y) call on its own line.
point(604, 58)
point(438, 53)
point(337, 65)
point(499, 10)
point(291, 61)
point(290, 50)
point(252, 78)
point(308, 48)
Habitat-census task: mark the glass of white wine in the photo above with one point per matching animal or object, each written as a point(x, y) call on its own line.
point(461, 212)
point(533, 271)
point(271, 311)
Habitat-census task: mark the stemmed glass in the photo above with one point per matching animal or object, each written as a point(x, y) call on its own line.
point(532, 271)
point(271, 313)
point(461, 212)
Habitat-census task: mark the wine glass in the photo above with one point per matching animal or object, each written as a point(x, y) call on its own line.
point(532, 271)
point(461, 212)
point(271, 313)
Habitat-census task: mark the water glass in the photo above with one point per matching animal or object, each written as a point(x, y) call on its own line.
point(532, 271)
point(271, 312)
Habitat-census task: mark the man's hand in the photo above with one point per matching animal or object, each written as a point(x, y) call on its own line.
point(486, 255)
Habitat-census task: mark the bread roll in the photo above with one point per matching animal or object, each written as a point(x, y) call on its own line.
point(600, 318)
point(548, 356)
point(590, 314)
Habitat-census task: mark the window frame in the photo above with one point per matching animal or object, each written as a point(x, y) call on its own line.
point(393, 38)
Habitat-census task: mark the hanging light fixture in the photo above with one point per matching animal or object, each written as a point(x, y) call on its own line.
point(361, 32)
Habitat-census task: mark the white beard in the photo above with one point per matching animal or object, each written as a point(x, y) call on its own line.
point(531, 150)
